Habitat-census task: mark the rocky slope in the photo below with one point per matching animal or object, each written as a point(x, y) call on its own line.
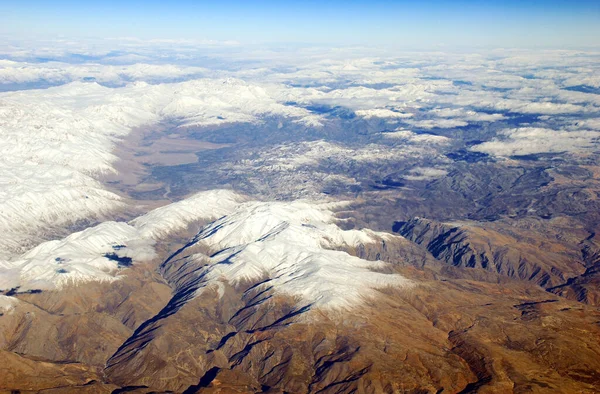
point(585, 287)
point(277, 297)
point(502, 248)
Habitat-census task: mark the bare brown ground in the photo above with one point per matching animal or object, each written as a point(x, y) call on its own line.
point(148, 146)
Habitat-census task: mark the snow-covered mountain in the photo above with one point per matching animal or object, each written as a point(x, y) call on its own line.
point(293, 246)
point(296, 245)
point(98, 253)
point(56, 142)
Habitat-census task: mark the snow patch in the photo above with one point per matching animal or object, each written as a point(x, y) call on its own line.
point(204, 205)
point(95, 254)
point(292, 243)
point(7, 304)
point(99, 253)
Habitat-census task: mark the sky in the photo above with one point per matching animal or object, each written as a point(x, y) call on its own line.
point(510, 23)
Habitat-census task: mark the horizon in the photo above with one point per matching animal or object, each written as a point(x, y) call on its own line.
point(389, 24)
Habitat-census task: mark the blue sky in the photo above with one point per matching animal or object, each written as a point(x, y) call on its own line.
point(524, 23)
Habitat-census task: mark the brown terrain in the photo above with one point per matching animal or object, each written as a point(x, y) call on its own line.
point(142, 148)
point(504, 258)
point(495, 309)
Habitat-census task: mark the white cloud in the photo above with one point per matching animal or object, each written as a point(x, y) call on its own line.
point(544, 108)
point(425, 173)
point(415, 138)
point(60, 73)
point(592, 123)
point(464, 114)
point(437, 123)
point(382, 113)
point(525, 141)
